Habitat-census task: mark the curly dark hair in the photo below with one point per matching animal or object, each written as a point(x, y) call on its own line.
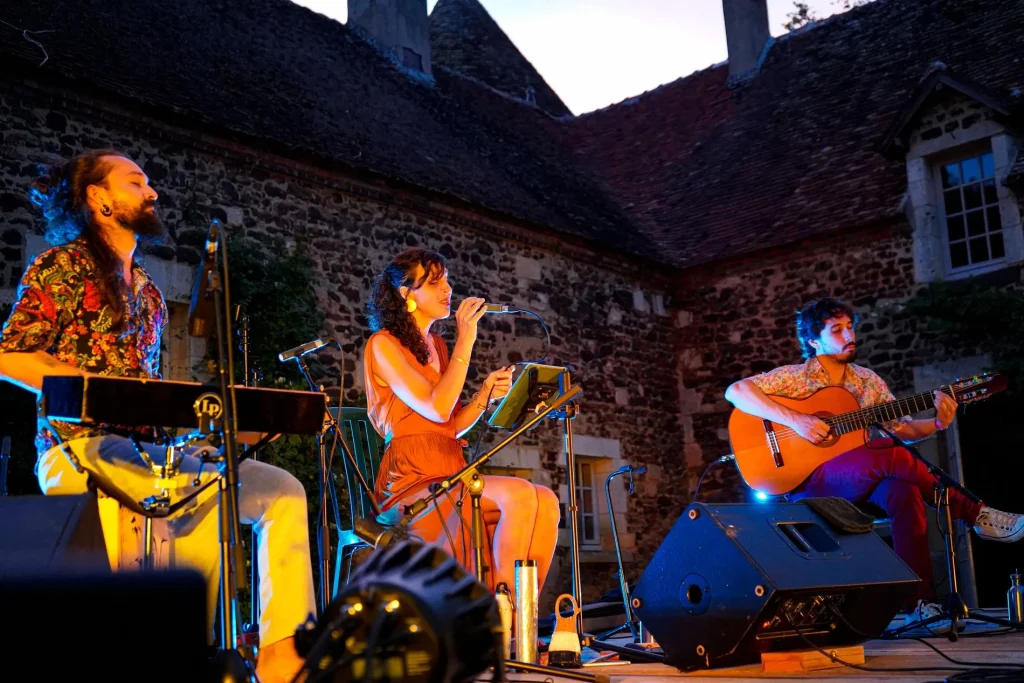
point(60, 192)
point(387, 306)
point(810, 321)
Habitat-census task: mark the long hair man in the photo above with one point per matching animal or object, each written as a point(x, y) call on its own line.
point(87, 307)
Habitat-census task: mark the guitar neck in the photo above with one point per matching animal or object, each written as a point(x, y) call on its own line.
point(845, 423)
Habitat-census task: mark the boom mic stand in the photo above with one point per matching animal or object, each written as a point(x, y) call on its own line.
point(473, 480)
point(326, 485)
point(954, 609)
point(230, 665)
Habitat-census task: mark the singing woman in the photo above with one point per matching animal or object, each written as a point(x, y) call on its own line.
point(413, 389)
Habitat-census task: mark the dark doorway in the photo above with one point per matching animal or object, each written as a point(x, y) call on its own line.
point(992, 443)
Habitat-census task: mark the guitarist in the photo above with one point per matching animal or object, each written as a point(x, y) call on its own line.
point(879, 473)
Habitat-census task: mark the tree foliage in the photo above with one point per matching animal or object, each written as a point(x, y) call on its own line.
point(802, 14)
point(976, 319)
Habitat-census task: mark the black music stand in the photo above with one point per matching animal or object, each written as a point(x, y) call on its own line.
point(534, 386)
point(954, 609)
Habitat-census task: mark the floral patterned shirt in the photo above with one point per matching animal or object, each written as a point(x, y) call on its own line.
point(802, 380)
point(60, 309)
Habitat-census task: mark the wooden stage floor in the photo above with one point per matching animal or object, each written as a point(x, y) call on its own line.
point(1007, 648)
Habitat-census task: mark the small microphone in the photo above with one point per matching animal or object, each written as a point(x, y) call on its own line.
point(211, 239)
point(629, 468)
point(498, 308)
point(202, 310)
point(305, 348)
point(378, 535)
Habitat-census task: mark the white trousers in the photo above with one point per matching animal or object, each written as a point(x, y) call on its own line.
point(269, 498)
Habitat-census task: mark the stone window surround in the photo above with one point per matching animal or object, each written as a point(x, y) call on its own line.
point(590, 492)
point(925, 201)
point(605, 456)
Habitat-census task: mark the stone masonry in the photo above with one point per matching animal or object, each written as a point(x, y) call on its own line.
point(612, 325)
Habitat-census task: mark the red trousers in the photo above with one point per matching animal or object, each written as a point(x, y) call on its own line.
point(896, 481)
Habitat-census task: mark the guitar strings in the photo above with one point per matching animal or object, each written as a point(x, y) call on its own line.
point(853, 418)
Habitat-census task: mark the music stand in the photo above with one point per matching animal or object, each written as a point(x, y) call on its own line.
point(534, 386)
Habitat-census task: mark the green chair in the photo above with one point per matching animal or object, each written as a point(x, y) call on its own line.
point(367, 448)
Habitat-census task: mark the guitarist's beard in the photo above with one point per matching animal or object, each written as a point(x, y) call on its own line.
point(847, 356)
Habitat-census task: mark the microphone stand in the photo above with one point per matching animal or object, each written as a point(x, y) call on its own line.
point(326, 486)
point(470, 477)
point(954, 609)
point(230, 664)
point(250, 381)
point(631, 622)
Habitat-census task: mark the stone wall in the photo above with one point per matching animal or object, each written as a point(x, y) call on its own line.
point(609, 322)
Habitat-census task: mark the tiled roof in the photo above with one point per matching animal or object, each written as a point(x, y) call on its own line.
point(709, 172)
point(686, 174)
point(301, 83)
point(464, 38)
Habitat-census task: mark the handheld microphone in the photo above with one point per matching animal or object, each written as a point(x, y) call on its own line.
point(498, 308)
point(305, 348)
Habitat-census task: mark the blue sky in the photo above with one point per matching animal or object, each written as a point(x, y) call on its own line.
point(598, 52)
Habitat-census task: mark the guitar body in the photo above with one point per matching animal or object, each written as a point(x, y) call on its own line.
point(772, 458)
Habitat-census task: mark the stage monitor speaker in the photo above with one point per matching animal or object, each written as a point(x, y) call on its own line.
point(51, 533)
point(118, 627)
point(732, 581)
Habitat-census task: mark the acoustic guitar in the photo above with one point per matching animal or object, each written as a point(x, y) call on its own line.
point(774, 459)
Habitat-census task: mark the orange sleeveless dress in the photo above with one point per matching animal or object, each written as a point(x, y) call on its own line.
point(418, 451)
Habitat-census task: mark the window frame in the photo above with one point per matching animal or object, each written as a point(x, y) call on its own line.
point(974, 150)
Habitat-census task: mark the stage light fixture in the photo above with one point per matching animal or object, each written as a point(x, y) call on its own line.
point(410, 613)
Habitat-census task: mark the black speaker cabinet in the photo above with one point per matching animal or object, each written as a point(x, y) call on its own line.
point(732, 581)
point(51, 533)
point(67, 616)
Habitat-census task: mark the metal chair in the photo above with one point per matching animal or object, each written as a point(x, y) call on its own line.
point(367, 449)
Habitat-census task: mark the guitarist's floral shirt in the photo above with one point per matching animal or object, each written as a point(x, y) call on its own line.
point(802, 380)
point(60, 309)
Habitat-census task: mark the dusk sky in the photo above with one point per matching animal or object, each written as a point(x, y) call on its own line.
point(598, 52)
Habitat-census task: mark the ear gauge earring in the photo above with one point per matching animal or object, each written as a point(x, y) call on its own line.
point(410, 305)
point(106, 210)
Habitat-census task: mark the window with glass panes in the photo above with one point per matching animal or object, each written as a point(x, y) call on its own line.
point(586, 500)
point(974, 232)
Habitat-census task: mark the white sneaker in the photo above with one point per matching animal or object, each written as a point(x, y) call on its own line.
point(995, 525)
point(927, 610)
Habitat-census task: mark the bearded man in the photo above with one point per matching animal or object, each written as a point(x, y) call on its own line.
point(878, 472)
point(86, 306)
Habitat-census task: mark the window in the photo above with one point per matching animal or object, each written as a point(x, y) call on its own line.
point(586, 499)
point(974, 232)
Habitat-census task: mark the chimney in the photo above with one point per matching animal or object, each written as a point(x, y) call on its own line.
point(746, 33)
point(398, 27)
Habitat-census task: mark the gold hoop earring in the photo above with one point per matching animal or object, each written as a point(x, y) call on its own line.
point(410, 305)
